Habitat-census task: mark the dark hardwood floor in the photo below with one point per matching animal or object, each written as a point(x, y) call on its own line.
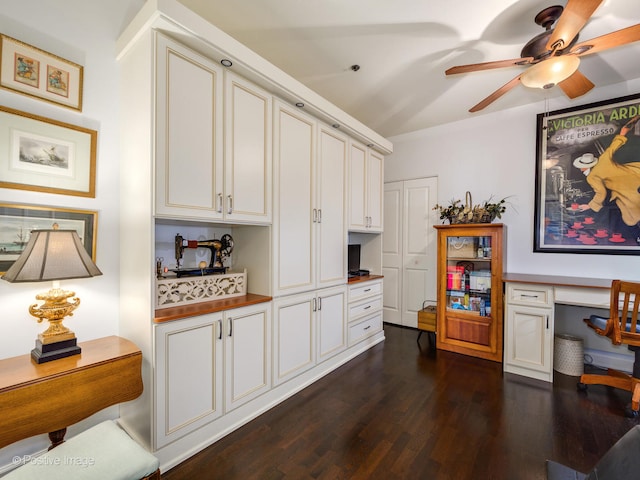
point(401, 410)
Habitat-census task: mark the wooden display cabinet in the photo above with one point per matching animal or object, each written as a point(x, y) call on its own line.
point(469, 300)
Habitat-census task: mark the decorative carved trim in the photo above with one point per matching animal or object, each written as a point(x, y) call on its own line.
point(173, 292)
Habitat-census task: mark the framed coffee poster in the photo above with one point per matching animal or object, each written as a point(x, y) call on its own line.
point(588, 179)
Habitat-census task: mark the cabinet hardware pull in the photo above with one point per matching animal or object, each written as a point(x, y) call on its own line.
point(367, 327)
point(230, 326)
point(319, 215)
point(315, 216)
point(219, 203)
point(220, 327)
point(528, 296)
point(230, 198)
point(314, 305)
point(547, 317)
point(319, 303)
point(367, 290)
point(367, 307)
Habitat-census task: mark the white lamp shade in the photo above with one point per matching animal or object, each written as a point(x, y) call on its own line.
point(52, 255)
point(550, 72)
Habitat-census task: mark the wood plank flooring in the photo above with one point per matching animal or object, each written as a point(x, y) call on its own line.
point(403, 411)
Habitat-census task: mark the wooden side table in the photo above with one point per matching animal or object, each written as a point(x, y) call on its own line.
point(48, 397)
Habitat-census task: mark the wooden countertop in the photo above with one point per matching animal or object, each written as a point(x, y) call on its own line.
point(184, 311)
point(556, 280)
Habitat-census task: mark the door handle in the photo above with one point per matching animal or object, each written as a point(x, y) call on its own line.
point(230, 199)
point(230, 326)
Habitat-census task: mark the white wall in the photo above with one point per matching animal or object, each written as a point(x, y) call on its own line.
point(83, 31)
point(494, 154)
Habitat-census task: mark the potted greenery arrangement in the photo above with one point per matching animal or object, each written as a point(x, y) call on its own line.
point(485, 212)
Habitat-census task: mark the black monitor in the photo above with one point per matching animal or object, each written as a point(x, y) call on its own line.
point(354, 259)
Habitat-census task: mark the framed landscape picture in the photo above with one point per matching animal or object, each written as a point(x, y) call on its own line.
point(44, 155)
point(17, 222)
point(34, 72)
point(588, 179)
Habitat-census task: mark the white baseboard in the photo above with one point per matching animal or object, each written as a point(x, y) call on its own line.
point(600, 358)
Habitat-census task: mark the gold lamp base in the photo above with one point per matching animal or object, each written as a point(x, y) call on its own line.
point(57, 341)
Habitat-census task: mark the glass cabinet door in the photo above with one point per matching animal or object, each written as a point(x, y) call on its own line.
point(469, 274)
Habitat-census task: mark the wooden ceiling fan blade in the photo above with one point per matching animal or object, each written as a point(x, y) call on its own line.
point(575, 15)
point(476, 67)
point(576, 85)
point(610, 40)
point(495, 95)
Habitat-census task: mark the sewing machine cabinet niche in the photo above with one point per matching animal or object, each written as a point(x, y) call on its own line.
point(469, 291)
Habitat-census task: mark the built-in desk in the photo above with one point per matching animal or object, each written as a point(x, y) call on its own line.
point(529, 317)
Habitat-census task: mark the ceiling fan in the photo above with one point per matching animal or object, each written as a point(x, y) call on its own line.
point(554, 55)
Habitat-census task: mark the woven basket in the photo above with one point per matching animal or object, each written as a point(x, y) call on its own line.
point(471, 214)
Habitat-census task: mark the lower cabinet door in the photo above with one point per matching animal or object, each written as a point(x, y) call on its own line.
point(188, 376)
point(247, 333)
point(529, 342)
point(294, 337)
point(332, 322)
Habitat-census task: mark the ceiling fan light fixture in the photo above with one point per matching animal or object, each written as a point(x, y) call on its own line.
point(550, 72)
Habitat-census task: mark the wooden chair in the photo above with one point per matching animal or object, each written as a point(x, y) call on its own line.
point(622, 327)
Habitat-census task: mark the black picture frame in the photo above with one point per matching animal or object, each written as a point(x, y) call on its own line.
point(587, 183)
point(16, 222)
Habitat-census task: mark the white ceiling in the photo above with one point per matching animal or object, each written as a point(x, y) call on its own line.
point(403, 48)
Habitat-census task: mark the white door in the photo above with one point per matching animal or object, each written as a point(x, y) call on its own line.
point(528, 339)
point(392, 253)
point(419, 251)
point(357, 187)
point(409, 249)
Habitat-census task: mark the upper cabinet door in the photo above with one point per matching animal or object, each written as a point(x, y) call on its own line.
point(331, 224)
point(357, 186)
point(294, 211)
point(366, 184)
point(188, 132)
point(375, 187)
point(248, 161)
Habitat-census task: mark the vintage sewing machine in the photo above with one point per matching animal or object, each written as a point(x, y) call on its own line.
point(220, 249)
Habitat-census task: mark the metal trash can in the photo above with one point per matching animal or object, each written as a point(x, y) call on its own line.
point(568, 355)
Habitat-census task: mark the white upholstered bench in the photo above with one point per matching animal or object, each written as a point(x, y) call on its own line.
point(103, 452)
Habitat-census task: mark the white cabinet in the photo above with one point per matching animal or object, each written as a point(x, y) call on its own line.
point(189, 92)
point(248, 161)
point(528, 336)
point(331, 322)
point(188, 386)
point(190, 369)
point(366, 176)
point(247, 351)
point(330, 201)
point(309, 232)
point(195, 177)
point(365, 310)
point(308, 328)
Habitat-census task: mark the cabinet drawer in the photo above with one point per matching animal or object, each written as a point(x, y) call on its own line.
point(534, 295)
point(368, 289)
point(364, 308)
point(367, 327)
